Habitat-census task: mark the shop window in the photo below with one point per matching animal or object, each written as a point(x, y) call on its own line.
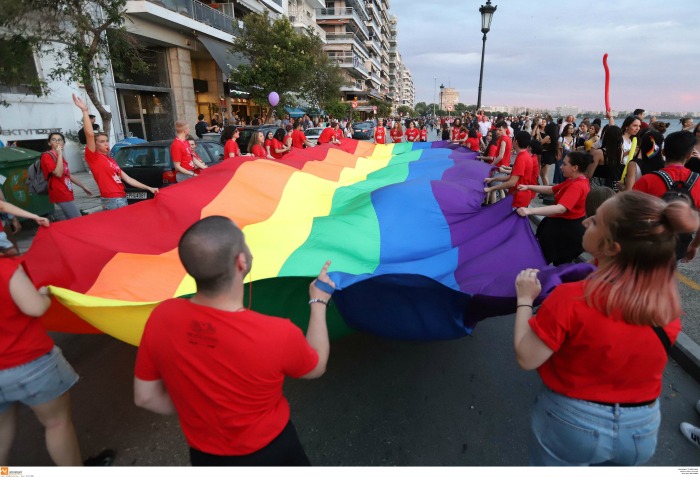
point(156, 75)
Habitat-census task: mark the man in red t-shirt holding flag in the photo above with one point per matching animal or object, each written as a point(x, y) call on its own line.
point(220, 366)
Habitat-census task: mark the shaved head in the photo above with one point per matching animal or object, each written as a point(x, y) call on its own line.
point(208, 251)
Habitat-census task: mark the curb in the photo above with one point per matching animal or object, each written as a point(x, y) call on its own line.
point(684, 351)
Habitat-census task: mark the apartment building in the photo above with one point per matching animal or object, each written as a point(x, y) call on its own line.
point(357, 37)
point(401, 89)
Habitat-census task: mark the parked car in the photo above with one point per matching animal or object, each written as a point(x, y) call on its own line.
point(364, 130)
point(247, 131)
point(150, 164)
point(312, 135)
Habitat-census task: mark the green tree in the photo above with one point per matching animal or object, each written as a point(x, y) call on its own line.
point(460, 108)
point(406, 110)
point(337, 109)
point(283, 60)
point(84, 35)
point(422, 109)
point(383, 107)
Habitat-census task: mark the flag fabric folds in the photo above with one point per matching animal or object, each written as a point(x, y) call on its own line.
point(414, 254)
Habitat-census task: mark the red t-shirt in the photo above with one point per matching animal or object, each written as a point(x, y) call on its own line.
point(424, 135)
point(338, 134)
point(454, 135)
point(276, 145)
point(463, 135)
point(380, 135)
point(22, 337)
point(224, 372)
point(231, 147)
point(473, 143)
point(412, 134)
point(654, 185)
point(298, 139)
point(60, 188)
point(523, 169)
point(534, 178)
point(326, 136)
point(259, 151)
point(572, 194)
point(181, 152)
point(598, 357)
point(107, 174)
point(396, 135)
point(508, 151)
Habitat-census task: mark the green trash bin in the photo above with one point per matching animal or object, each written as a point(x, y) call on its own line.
point(14, 162)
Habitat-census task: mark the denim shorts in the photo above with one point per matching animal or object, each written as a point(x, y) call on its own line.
point(36, 382)
point(113, 203)
point(568, 432)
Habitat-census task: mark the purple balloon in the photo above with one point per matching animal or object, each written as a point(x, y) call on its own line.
point(273, 98)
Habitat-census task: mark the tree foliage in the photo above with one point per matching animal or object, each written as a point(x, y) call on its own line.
point(75, 32)
point(383, 107)
point(283, 60)
point(460, 108)
point(422, 109)
point(406, 110)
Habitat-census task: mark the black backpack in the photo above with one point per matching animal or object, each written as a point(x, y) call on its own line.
point(679, 190)
point(37, 182)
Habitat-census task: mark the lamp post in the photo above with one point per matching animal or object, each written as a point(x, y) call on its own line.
point(486, 17)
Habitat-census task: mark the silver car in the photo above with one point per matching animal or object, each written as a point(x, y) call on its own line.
point(312, 135)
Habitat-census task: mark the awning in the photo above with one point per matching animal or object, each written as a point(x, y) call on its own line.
point(218, 50)
point(295, 112)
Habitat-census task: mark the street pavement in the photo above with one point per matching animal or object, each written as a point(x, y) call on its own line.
point(462, 402)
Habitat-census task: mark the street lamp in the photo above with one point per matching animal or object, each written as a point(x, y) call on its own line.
point(486, 17)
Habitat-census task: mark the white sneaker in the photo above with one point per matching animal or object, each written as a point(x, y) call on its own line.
point(691, 433)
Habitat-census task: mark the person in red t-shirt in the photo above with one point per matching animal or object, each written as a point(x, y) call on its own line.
point(456, 126)
point(380, 133)
point(299, 140)
point(463, 134)
point(678, 148)
point(277, 147)
point(424, 132)
point(600, 345)
point(472, 141)
point(520, 174)
point(561, 230)
point(268, 143)
point(181, 153)
point(229, 139)
point(256, 146)
point(220, 366)
point(396, 132)
point(288, 129)
point(34, 371)
point(328, 135)
point(412, 133)
point(199, 164)
point(55, 169)
point(107, 173)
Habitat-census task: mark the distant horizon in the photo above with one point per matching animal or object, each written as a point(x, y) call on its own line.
point(545, 55)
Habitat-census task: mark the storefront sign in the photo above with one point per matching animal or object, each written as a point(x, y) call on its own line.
point(28, 132)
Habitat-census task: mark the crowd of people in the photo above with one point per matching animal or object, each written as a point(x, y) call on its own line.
point(599, 345)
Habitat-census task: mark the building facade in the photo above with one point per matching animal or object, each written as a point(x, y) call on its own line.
point(401, 89)
point(448, 97)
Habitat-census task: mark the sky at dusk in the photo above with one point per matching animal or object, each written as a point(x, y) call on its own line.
point(544, 53)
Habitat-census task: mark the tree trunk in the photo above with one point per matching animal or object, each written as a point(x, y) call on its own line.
point(105, 115)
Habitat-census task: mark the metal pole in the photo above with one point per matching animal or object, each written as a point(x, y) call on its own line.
point(481, 75)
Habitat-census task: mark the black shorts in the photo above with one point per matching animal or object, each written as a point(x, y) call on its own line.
point(548, 158)
point(284, 450)
point(561, 240)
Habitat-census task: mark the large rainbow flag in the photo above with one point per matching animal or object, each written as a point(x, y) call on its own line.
point(414, 254)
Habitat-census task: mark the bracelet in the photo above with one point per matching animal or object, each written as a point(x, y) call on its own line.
point(529, 306)
point(318, 300)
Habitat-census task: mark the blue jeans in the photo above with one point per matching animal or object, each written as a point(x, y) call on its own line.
point(568, 431)
point(114, 203)
point(70, 210)
point(558, 175)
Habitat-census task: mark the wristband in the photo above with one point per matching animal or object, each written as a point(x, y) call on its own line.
point(529, 306)
point(318, 300)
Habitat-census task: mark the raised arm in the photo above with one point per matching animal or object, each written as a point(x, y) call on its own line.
point(87, 124)
point(317, 332)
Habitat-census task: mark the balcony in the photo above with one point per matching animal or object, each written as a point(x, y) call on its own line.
point(301, 22)
point(331, 16)
point(373, 45)
point(190, 14)
point(351, 62)
point(346, 38)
